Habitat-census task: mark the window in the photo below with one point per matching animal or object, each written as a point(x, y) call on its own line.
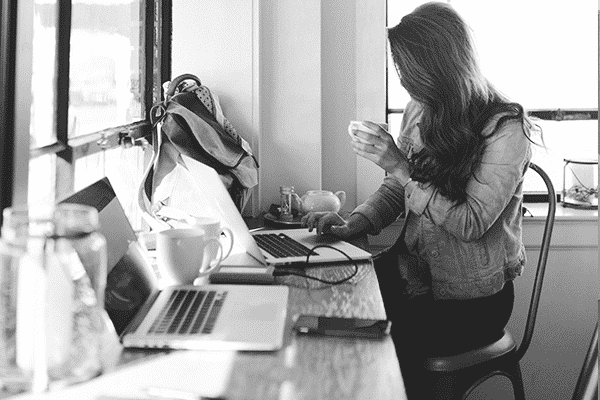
point(551, 72)
point(89, 106)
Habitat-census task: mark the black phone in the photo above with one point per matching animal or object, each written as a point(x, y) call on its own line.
point(343, 327)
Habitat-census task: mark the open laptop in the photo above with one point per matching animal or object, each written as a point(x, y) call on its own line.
point(212, 317)
point(262, 248)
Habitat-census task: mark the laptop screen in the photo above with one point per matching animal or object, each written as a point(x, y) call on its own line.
point(130, 280)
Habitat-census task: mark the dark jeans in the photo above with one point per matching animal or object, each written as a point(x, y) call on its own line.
point(423, 327)
point(430, 327)
point(427, 327)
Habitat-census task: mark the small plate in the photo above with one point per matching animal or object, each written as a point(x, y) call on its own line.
point(272, 220)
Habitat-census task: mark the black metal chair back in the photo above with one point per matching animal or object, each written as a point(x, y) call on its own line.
point(541, 266)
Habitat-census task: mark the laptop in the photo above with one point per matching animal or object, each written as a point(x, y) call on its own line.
point(263, 248)
point(144, 314)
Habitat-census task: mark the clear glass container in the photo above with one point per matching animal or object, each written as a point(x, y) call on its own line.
point(580, 183)
point(52, 282)
point(286, 195)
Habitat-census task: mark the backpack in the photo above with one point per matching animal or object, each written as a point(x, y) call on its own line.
point(190, 121)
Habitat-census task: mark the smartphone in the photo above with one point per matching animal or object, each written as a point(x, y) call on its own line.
point(343, 327)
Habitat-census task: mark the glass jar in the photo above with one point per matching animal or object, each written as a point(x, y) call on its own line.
point(286, 195)
point(580, 183)
point(52, 282)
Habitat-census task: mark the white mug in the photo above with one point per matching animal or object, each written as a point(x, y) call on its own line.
point(185, 254)
point(213, 228)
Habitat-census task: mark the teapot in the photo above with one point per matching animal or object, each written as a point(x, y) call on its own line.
point(321, 200)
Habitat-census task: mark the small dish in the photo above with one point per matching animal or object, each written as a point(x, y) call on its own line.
point(272, 220)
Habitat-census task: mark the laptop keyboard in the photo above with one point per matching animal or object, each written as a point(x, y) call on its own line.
point(281, 245)
point(189, 312)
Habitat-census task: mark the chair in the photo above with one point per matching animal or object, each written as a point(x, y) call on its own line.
point(458, 375)
point(587, 384)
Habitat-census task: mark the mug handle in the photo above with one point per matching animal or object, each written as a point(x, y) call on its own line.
point(213, 265)
point(229, 236)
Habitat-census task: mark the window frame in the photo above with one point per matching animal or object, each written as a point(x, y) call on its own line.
point(156, 69)
point(8, 44)
point(558, 114)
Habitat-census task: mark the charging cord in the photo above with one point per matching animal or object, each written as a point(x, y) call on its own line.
point(286, 272)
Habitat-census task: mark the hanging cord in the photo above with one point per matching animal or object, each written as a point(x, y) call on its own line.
point(286, 272)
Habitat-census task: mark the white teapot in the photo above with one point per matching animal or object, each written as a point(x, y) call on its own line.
point(321, 200)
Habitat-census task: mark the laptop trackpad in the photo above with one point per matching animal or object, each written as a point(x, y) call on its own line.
point(258, 312)
point(315, 240)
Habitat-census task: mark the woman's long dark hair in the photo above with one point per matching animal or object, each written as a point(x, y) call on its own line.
point(435, 58)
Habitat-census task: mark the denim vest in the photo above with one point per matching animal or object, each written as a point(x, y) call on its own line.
point(466, 251)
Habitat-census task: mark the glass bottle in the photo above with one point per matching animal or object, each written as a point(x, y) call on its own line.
point(286, 195)
point(53, 277)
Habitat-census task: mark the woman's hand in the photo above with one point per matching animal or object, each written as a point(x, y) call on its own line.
point(326, 223)
point(331, 223)
point(381, 149)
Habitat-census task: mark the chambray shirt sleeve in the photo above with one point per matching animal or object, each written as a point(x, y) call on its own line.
point(501, 170)
point(385, 205)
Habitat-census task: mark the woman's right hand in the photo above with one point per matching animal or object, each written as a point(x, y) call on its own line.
point(326, 223)
point(331, 223)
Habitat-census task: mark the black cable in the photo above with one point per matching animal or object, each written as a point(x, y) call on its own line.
point(282, 272)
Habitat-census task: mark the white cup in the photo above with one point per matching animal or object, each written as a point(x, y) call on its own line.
point(185, 254)
point(360, 126)
point(212, 226)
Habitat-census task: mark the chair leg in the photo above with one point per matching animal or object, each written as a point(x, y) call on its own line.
point(512, 372)
point(456, 385)
point(429, 385)
point(460, 384)
point(516, 378)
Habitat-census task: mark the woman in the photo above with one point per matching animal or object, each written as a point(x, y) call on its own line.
point(457, 172)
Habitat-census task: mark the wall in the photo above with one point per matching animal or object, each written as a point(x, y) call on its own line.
point(290, 97)
point(371, 86)
point(338, 89)
point(316, 76)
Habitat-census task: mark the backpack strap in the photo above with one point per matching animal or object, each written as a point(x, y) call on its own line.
point(175, 83)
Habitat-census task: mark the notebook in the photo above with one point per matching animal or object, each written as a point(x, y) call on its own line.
point(211, 317)
point(251, 249)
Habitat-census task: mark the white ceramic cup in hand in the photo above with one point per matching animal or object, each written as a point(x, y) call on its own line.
point(212, 226)
point(360, 126)
point(185, 254)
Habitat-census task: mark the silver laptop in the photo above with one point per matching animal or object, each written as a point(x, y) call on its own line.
point(262, 249)
point(212, 317)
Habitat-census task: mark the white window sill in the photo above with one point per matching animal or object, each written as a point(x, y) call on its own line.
point(540, 211)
